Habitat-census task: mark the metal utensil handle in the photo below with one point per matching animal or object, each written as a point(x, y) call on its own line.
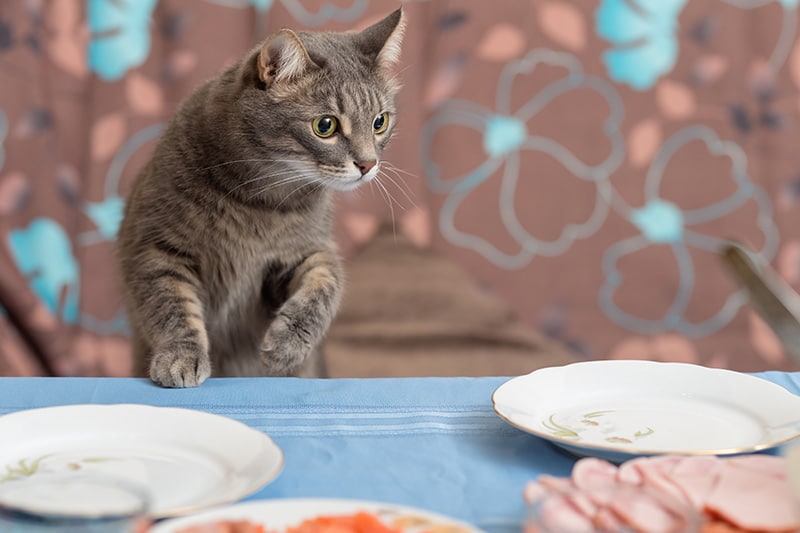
point(770, 296)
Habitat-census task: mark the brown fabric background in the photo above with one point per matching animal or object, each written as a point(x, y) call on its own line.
point(666, 125)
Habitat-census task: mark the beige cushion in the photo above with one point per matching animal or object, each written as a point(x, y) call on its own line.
point(411, 312)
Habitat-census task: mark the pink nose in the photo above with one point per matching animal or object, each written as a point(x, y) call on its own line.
point(365, 166)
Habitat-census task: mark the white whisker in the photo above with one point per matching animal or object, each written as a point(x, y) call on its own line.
point(391, 207)
point(401, 189)
point(235, 161)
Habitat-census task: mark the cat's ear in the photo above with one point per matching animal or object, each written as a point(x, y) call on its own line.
point(283, 58)
point(382, 40)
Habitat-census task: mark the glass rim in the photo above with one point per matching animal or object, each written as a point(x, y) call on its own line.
point(12, 510)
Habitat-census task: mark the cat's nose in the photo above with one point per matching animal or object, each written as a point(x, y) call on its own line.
point(365, 166)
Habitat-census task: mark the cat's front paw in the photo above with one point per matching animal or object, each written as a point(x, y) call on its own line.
point(286, 345)
point(179, 368)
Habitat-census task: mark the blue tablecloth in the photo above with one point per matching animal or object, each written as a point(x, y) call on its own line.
point(432, 443)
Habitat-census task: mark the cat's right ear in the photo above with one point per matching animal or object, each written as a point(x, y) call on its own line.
point(283, 58)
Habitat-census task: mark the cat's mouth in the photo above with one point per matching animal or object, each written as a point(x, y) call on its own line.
point(351, 181)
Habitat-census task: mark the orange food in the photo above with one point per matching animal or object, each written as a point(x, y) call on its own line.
point(226, 526)
point(356, 523)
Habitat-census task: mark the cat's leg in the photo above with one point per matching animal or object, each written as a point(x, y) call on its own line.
point(303, 319)
point(170, 316)
point(141, 355)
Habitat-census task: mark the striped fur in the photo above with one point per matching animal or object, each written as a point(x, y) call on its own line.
point(226, 255)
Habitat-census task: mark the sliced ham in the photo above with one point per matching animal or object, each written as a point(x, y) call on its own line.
point(663, 464)
point(766, 464)
point(534, 492)
point(607, 520)
point(644, 513)
point(656, 480)
point(590, 474)
point(556, 484)
point(558, 514)
point(753, 500)
point(695, 477)
point(628, 472)
point(631, 472)
point(583, 503)
point(697, 465)
point(658, 494)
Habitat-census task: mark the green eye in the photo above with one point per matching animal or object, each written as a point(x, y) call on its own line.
point(380, 123)
point(324, 126)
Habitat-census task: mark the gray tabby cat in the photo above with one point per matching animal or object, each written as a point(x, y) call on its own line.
point(226, 253)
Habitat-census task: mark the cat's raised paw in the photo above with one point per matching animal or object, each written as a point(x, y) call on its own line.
point(179, 368)
point(286, 345)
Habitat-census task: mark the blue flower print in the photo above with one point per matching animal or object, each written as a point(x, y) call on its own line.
point(107, 216)
point(644, 35)
point(43, 253)
point(262, 5)
point(659, 221)
point(663, 223)
point(120, 35)
point(505, 135)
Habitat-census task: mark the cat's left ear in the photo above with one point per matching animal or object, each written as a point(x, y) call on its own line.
point(382, 40)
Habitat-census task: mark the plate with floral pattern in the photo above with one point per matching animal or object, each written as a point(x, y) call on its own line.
point(620, 409)
point(186, 460)
point(297, 514)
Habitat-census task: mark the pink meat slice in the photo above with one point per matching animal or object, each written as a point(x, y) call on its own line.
point(607, 521)
point(556, 484)
point(558, 514)
point(631, 471)
point(596, 478)
point(697, 465)
point(534, 492)
point(768, 464)
point(646, 514)
point(664, 464)
point(753, 500)
point(696, 476)
point(628, 472)
point(656, 480)
point(583, 503)
point(591, 473)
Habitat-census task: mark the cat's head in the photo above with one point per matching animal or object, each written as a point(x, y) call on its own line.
point(331, 101)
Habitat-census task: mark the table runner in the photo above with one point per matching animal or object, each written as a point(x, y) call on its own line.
point(432, 443)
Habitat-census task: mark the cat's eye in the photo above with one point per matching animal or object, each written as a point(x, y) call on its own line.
point(380, 123)
point(324, 126)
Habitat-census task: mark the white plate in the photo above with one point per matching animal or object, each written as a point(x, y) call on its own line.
point(279, 514)
point(619, 409)
point(185, 459)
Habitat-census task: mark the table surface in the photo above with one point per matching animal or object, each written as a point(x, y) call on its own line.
point(431, 443)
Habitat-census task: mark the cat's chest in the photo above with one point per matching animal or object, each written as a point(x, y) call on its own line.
point(245, 258)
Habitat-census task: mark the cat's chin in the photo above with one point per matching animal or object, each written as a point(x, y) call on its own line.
point(349, 185)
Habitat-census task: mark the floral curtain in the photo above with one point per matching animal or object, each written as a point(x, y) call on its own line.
point(580, 159)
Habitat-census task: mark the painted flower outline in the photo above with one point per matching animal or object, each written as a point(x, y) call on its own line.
point(662, 222)
point(505, 134)
point(326, 12)
point(3, 133)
